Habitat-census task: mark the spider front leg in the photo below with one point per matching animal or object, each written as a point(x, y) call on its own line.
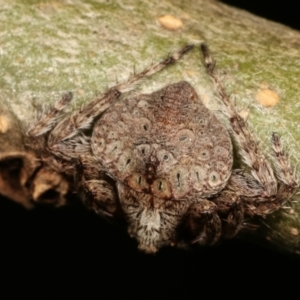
point(265, 192)
point(207, 221)
point(231, 211)
point(49, 184)
point(59, 140)
point(202, 224)
point(84, 118)
point(96, 189)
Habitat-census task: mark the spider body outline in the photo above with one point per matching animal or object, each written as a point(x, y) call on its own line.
point(177, 185)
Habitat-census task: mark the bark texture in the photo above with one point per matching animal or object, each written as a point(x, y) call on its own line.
point(50, 47)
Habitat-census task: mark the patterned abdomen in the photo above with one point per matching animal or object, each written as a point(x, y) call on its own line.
point(166, 143)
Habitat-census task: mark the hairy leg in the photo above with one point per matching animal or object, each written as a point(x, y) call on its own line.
point(202, 223)
point(263, 194)
point(84, 118)
point(97, 191)
point(231, 211)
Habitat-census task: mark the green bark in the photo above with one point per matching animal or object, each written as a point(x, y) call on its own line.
point(49, 47)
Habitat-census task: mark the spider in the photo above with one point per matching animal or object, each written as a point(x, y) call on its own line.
point(161, 161)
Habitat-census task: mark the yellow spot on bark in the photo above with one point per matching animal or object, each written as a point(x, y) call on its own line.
point(4, 124)
point(294, 231)
point(170, 22)
point(267, 97)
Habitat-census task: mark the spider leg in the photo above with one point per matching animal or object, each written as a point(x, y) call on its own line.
point(48, 185)
point(231, 210)
point(84, 118)
point(49, 119)
point(202, 223)
point(36, 135)
point(284, 171)
point(269, 195)
point(96, 189)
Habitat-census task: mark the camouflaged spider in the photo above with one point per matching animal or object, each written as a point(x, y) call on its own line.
point(162, 161)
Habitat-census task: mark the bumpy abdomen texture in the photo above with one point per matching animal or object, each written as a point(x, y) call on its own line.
point(166, 143)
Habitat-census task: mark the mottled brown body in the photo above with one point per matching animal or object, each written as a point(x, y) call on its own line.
point(167, 144)
point(166, 150)
point(162, 161)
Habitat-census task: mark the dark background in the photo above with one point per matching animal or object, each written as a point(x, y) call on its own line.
point(285, 12)
point(67, 252)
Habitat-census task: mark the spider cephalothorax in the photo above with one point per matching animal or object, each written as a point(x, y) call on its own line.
point(162, 161)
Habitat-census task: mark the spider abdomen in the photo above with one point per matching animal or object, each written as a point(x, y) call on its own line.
point(166, 143)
